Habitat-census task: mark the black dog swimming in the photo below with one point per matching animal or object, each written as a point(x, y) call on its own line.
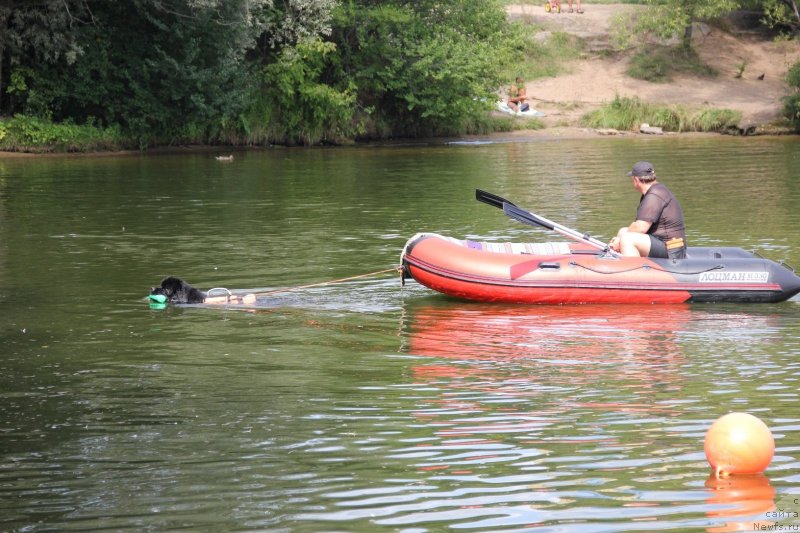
point(178, 291)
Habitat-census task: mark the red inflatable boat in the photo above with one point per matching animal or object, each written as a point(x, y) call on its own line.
point(588, 271)
point(561, 273)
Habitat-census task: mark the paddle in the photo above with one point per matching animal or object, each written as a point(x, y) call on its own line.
point(533, 219)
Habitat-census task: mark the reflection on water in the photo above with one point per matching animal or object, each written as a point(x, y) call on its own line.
point(747, 501)
point(575, 402)
point(544, 415)
point(559, 352)
point(363, 405)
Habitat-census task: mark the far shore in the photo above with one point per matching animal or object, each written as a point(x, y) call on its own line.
point(561, 132)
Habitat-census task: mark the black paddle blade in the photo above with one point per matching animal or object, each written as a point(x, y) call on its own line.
point(491, 199)
point(525, 217)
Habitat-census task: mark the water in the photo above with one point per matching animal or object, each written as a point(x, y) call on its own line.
point(361, 405)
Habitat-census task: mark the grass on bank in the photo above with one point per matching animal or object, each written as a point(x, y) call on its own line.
point(23, 133)
point(657, 63)
point(505, 124)
point(544, 57)
point(627, 114)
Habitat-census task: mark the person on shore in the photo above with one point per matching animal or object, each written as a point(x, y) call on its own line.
point(518, 96)
point(659, 229)
point(578, 3)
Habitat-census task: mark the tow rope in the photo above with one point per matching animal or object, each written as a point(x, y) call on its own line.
point(159, 301)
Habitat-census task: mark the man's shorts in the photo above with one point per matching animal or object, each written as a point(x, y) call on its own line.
point(658, 249)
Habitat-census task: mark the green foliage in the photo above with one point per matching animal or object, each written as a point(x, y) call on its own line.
point(548, 58)
point(166, 72)
point(657, 63)
point(184, 71)
point(670, 18)
point(621, 37)
point(793, 76)
point(740, 69)
point(294, 106)
point(256, 71)
point(622, 113)
point(18, 84)
point(714, 119)
point(422, 68)
point(650, 68)
point(628, 114)
point(27, 133)
point(791, 102)
point(491, 124)
point(45, 31)
point(782, 14)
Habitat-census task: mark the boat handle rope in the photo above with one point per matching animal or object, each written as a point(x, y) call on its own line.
point(790, 267)
point(782, 263)
point(225, 292)
point(645, 267)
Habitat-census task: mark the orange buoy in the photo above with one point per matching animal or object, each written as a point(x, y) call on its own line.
point(739, 443)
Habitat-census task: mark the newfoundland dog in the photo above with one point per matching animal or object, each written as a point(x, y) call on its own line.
point(178, 291)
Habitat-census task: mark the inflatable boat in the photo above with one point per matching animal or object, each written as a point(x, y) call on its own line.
point(588, 272)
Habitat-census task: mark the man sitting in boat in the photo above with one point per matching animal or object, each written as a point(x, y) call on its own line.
point(659, 229)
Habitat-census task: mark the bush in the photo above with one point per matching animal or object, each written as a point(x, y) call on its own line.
point(628, 114)
point(548, 58)
point(295, 107)
point(791, 103)
point(422, 68)
point(24, 133)
point(657, 63)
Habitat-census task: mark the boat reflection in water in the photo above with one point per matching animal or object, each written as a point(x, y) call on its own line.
point(548, 375)
point(633, 347)
point(588, 404)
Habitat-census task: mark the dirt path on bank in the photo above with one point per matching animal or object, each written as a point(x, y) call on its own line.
point(598, 78)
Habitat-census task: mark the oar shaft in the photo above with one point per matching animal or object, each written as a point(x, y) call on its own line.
point(527, 217)
point(571, 232)
point(498, 201)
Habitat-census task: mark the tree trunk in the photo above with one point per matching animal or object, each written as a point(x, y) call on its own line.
point(2, 88)
point(4, 29)
point(793, 6)
point(687, 37)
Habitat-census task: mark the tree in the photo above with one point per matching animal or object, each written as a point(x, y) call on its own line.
point(157, 68)
point(44, 31)
point(782, 13)
point(668, 18)
point(420, 67)
point(791, 102)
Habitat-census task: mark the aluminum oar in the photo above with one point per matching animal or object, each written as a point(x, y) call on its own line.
point(526, 217)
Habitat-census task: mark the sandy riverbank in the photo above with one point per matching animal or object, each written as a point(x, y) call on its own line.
point(598, 78)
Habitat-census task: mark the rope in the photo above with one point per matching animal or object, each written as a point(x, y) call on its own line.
point(331, 282)
point(645, 267)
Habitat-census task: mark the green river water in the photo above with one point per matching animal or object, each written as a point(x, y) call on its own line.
point(362, 405)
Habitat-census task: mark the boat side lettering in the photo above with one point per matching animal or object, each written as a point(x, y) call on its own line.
point(736, 277)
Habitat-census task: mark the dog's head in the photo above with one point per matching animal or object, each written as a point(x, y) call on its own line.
point(178, 291)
